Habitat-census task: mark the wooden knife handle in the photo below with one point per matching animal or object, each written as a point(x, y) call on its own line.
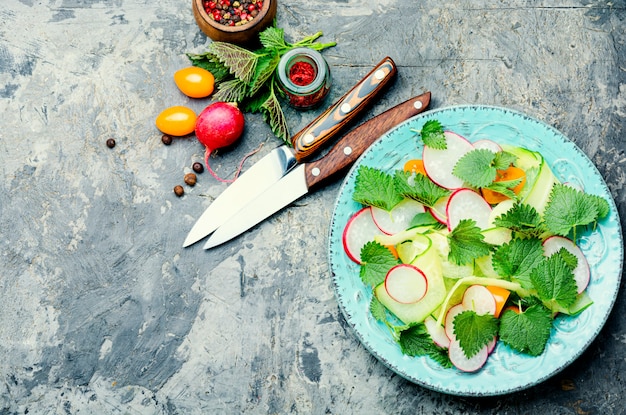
point(331, 121)
point(353, 144)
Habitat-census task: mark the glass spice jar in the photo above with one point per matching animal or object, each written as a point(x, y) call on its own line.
point(304, 76)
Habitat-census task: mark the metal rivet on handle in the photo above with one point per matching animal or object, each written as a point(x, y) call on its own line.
point(315, 171)
point(418, 105)
point(345, 108)
point(308, 139)
point(347, 151)
point(379, 74)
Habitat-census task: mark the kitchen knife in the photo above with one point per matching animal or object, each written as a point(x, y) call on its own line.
point(306, 176)
point(281, 160)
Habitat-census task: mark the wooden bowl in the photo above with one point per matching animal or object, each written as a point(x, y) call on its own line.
point(241, 35)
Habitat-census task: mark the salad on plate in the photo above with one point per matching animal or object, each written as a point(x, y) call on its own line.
point(471, 244)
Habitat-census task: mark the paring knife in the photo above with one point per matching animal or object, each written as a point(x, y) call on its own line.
point(306, 176)
point(281, 160)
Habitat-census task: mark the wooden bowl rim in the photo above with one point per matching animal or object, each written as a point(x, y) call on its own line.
point(233, 29)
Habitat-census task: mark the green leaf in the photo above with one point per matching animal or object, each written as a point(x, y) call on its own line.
point(233, 90)
point(521, 218)
point(266, 66)
point(516, 260)
point(241, 62)
point(476, 168)
point(568, 208)
point(554, 281)
point(527, 332)
point(433, 135)
point(466, 243)
point(425, 219)
point(415, 341)
point(374, 187)
point(212, 64)
point(376, 261)
point(418, 187)
point(474, 331)
point(378, 310)
point(275, 117)
point(273, 38)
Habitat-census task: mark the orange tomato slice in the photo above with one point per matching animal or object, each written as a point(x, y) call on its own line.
point(415, 166)
point(510, 173)
point(501, 295)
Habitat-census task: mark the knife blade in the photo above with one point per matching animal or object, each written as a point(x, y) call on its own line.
point(281, 160)
point(306, 176)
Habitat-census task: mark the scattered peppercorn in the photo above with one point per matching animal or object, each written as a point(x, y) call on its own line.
point(110, 143)
point(235, 13)
point(197, 167)
point(179, 191)
point(166, 139)
point(190, 179)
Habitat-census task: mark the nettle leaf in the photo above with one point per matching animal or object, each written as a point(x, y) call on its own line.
point(376, 261)
point(265, 69)
point(466, 243)
point(568, 208)
point(242, 62)
point(521, 218)
point(476, 168)
point(275, 117)
point(415, 341)
point(374, 187)
point(554, 281)
point(212, 64)
point(273, 38)
point(516, 259)
point(234, 90)
point(474, 331)
point(433, 135)
point(528, 331)
point(378, 310)
point(418, 187)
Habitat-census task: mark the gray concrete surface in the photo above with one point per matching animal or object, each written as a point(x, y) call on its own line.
point(102, 311)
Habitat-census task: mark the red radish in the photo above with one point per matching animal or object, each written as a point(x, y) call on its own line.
point(479, 299)
point(582, 272)
point(439, 164)
point(467, 204)
point(359, 230)
point(492, 345)
point(406, 284)
point(449, 322)
point(219, 125)
point(438, 210)
point(399, 218)
point(487, 145)
point(462, 362)
point(437, 332)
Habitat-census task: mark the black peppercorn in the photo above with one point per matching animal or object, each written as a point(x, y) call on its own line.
point(110, 143)
point(197, 167)
point(166, 139)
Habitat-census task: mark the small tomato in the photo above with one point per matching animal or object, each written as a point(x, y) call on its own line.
point(194, 82)
point(177, 121)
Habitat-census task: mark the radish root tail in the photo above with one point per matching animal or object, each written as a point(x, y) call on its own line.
point(207, 154)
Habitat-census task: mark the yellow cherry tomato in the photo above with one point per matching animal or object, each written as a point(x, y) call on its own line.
point(177, 121)
point(194, 82)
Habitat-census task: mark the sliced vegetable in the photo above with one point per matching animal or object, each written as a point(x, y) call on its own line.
point(415, 166)
point(487, 145)
point(479, 299)
point(500, 295)
point(511, 173)
point(582, 272)
point(406, 284)
point(439, 164)
point(359, 230)
point(464, 363)
point(467, 204)
point(399, 218)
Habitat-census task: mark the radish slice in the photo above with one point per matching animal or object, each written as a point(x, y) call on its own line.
point(399, 218)
point(487, 145)
point(437, 332)
point(449, 322)
point(582, 272)
point(462, 362)
point(359, 230)
point(406, 284)
point(467, 204)
point(439, 164)
point(479, 299)
point(438, 210)
point(492, 345)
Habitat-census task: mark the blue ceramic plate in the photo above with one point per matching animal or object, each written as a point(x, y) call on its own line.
point(506, 370)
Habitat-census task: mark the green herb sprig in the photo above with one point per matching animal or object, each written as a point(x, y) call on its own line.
point(248, 77)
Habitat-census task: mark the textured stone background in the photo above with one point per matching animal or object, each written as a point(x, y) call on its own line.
point(102, 311)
